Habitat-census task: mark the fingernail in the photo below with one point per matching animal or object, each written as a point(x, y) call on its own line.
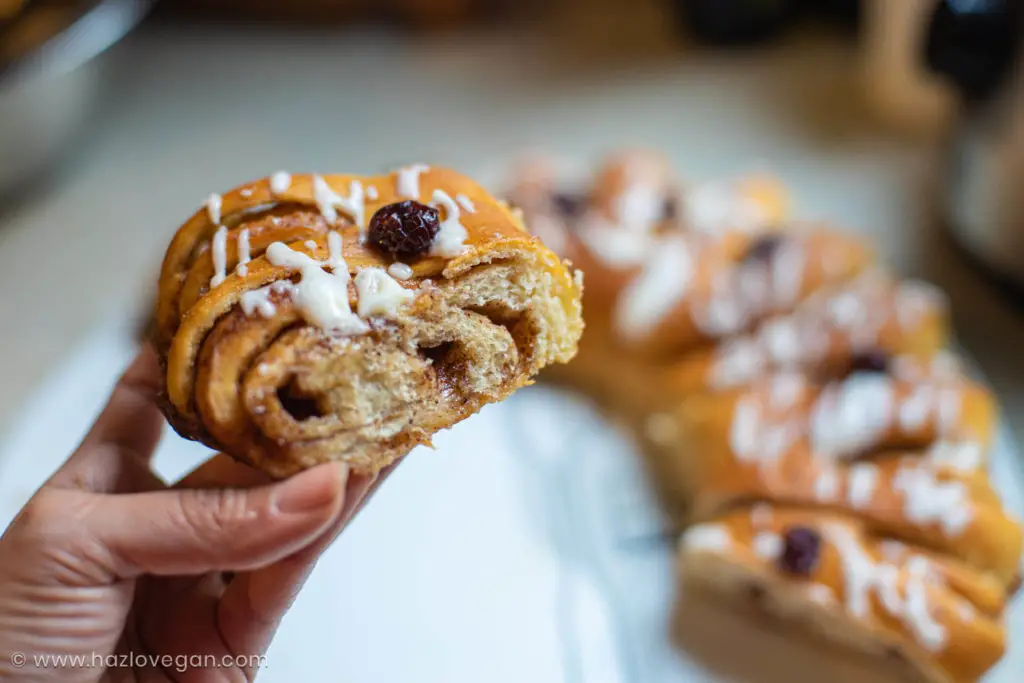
point(312, 490)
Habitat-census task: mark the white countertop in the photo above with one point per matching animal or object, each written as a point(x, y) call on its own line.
point(191, 110)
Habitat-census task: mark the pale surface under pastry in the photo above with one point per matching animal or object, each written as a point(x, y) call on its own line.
point(904, 608)
point(289, 340)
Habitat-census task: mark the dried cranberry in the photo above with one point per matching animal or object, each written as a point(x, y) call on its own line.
point(869, 361)
point(763, 249)
point(404, 229)
point(801, 547)
point(568, 205)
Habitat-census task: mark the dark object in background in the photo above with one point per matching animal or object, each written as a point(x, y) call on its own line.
point(973, 43)
point(975, 46)
point(843, 13)
point(733, 23)
point(415, 13)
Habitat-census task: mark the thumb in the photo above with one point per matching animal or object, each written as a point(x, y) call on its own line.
point(192, 531)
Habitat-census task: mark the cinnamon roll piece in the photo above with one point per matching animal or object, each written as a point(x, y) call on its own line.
point(691, 288)
point(906, 457)
point(825, 576)
point(310, 318)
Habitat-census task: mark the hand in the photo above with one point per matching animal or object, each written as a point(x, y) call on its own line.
point(108, 574)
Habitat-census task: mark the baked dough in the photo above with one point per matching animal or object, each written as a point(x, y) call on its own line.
point(289, 339)
point(772, 370)
point(933, 618)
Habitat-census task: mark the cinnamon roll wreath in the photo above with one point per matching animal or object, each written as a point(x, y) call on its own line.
point(822, 451)
point(304, 319)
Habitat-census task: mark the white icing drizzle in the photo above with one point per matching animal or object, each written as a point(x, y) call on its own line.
point(785, 390)
point(326, 199)
point(943, 368)
point(965, 610)
point(826, 485)
point(926, 499)
point(328, 202)
point(963, 456)
point(862, 483)
point(280, 182)
point(760, 515)
point(737, 361)
point(788, 264)
point(754, 440)
point(639, 207)
point(220, 256)
point(853, 415)
point(893, 551)
point(783, 342)
point(213, 206)
point(400, 271)
point(245, 192)
point(915, 300)
point(821, 594)
point(310, 244)
point(650, 296)
point(451, 236)
point(321, 296)
point(615, 248)
point(259, 301)
point(379, 294)
point(713, 208)
point(708, 537)
point(862, 575)
point(915, 409)
point(948, 409)
point(466, 203)
point(929, 632)
point(727, 310)
point(768, 545)
point(371, 193)
point(407, 180)
point(242, 269)
point(928, 400)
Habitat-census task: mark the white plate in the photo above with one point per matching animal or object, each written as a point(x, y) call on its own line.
point(526, 548)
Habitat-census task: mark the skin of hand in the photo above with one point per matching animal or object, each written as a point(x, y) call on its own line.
point(146, 582)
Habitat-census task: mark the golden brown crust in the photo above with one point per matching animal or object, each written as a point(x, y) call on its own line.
point(807, 340)
point(283, 394)
point(941, 615)
point(913, 470)
point(734, 341)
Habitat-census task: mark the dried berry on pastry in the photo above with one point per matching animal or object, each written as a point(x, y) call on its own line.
point(798, 411)
point(826, 575)
point(682, 279)
point(310, 318)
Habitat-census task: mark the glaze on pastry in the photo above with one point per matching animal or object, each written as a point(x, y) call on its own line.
point(709, 287)
point(933, 618)
point(310, 318)
point(791, 395)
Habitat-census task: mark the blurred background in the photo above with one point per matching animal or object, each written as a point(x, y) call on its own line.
point(897, 118)
point(117, 117)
